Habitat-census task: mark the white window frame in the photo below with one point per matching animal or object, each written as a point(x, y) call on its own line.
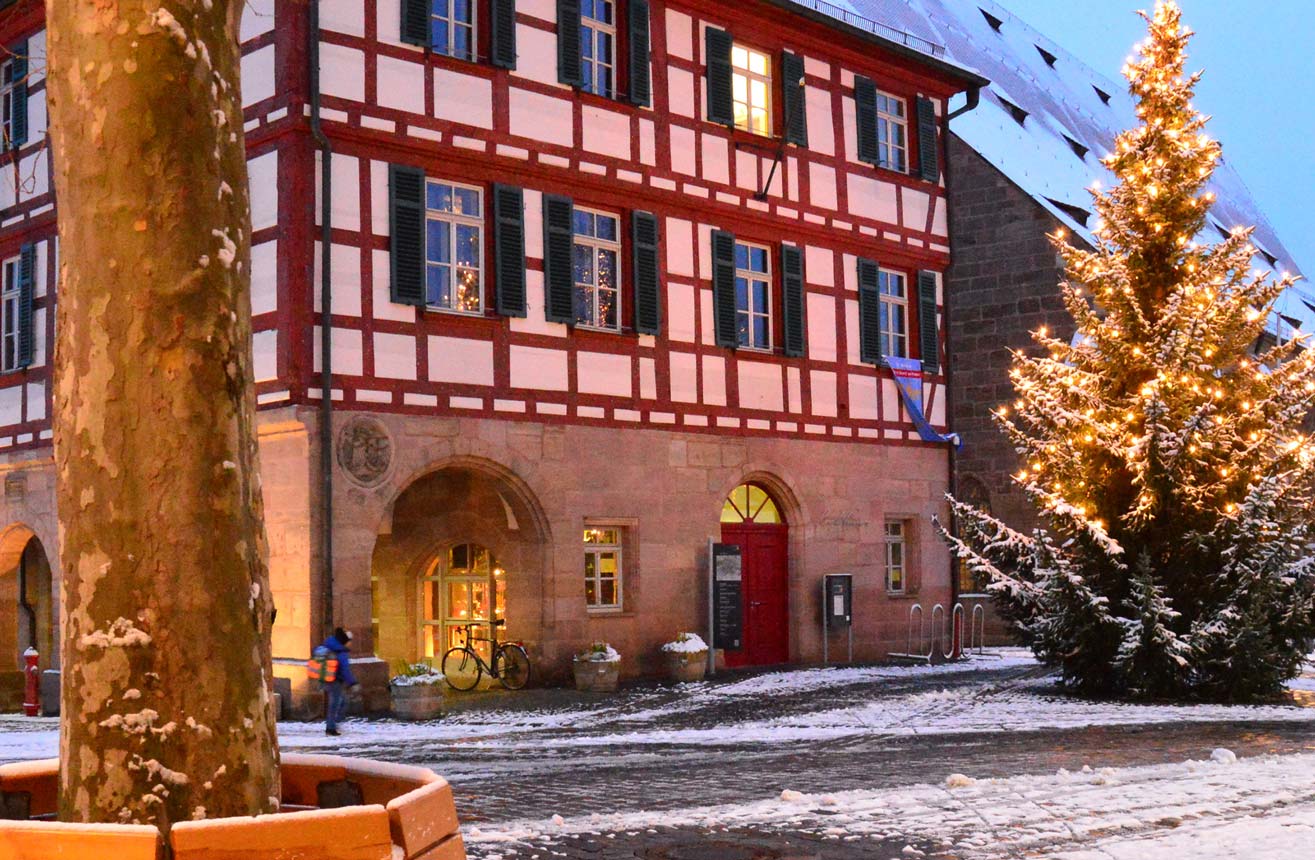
point(893, 304)
point(595, 550)
point(594, 244)
point(454, 220)
point(749, 276)
point(741, 63)
point(449, 49)
point(594, 30)
point(10, 296)
point(897, 544)
point(887, 149)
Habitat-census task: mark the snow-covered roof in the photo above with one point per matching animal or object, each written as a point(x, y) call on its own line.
point(1047, 118)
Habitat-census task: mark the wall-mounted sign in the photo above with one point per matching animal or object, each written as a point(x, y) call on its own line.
point(727, 597)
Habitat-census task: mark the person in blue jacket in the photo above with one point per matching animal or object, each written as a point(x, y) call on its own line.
point(340, 644)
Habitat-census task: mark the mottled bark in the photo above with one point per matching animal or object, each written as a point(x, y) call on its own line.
point(166, 710)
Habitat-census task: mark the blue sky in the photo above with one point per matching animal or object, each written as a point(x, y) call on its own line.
point(1258, 87)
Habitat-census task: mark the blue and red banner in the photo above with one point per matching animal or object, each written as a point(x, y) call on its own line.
point(908, 379)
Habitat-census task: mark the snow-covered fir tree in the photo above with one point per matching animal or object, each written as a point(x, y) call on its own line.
point(1164, 446)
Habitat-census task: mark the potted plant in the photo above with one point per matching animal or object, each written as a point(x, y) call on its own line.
point(686, 657)
point(597, 668)
point(417, 692)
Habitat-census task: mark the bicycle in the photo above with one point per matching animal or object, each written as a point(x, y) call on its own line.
point(463, 667)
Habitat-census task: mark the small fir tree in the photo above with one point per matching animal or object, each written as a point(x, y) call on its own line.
point(1164, 446)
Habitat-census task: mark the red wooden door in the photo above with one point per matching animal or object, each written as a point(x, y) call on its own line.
point(765, 569)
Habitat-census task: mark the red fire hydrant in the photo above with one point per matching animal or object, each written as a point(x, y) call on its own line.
point(31, 696)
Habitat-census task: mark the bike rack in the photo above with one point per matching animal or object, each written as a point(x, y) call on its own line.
point(910, 655)
point(977, 631)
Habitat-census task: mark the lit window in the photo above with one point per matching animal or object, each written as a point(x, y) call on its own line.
point(753, 296)
point(894, 314)
point(750, 503)
point(9, 314)
point(892, 133)
point(751, 90)
point(7, 104)
point(454, 248)
point(896, 557)
point(466, 585)
point(602, 568)
point(598, 46)
point(597, 269)
point(452, 28)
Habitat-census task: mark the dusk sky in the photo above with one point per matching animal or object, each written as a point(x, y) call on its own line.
point(1258, 77)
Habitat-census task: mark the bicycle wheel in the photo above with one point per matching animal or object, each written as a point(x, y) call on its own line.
point(512, 666)
point(461, 667)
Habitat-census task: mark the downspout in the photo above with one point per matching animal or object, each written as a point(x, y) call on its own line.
point(28, 609)
point(952, 465)
point(326, 319)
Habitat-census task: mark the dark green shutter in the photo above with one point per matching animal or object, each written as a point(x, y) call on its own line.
point(568, 43)
point(558, 249)
point(927, 334)
point(792, 98)
point(723, 288)
point(18, 133)
point(509, 246)
point(928, 157)
point(717, 52)
point(406, 205)
point(792, 299)
point(502, 27)
point(865, 104)
point(641, 90)
point(648, 272)
point(27, 265)
point(869, 312)
point(415, 22)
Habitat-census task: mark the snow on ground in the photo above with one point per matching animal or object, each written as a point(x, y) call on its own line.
point(1208, 810)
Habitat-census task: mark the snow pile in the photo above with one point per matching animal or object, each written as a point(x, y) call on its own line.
point(958, 780)
point(599, 652)
point(686, 643)
point(418, 675)
point(1223, 756)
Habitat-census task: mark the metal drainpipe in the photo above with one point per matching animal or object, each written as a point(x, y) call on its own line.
point(28, 609)
point(326, 319)
point(974, 98)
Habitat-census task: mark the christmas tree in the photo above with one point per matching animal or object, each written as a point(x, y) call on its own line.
point(1164, 445)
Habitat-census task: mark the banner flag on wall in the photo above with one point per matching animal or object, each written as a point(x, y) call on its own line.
point(908, 379)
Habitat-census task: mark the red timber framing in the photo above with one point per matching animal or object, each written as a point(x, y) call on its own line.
point(387, 102)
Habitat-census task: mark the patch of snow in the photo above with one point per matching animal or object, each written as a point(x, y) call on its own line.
point(1223, 756)
point(599, 652)
point(958, 780)
point(686, 643)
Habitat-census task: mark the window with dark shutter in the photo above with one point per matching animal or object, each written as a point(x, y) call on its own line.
point(865, 103)
point(502, 29)
point(792, 299)
point(640, 80)
point(406, 205)
point(415, 22)
point(928, 338)
point(723, 288)
point(18, 123)
point(648, 272)
point(27, 266)
point(509, 247)
point(869, 312)
point(717, 51)
point(558, 249)
point(928, 158)
point(792, 98)
point(568, 43)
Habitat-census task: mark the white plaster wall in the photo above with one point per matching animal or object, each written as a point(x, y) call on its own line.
point(706, 320)
point(851, 331)
point(39, 346)
point(11, 405)
point(540, 117)
point(820, 266)
point(680, 91)
point(36, 115)
point(536, 53)
point(342, 72)
point(400, 84)
point(863, 398)
point(746, 170)
point(265, 355)
point(543, 369)
point(938, 222)
point(388, 24)
point(258, 76)
point(460, 359)
point(36, 58)
point(680, 312)
point(395, 355)
point(714, 380)
point(606, 132)
point(682, 150)
point(533, 201)
point(871, 198)
point(680, 35)
point(348, 355)
point(647, 143)
point(821, 185)
point(937, 415)
point(33, 176)
point(36, 401)
point(8, 185)
point(760, 385)
point(648, 379)
point(257, 18)
point(263, 177)
point(716, 158)
point(544, 10)
point(821, 130)
point(264, 277)
point(345, 271)
point(821, 327)
point(379, 198)
point(684, 377)
point(794, 388)
point(822, 383)
point(346, 204)
point(384, 308)
point(915, 208)
point(345, 16)
point(890, 401)
point(679, 239)
point(603, 373)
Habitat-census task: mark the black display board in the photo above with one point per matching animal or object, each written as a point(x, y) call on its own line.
point(727, 597)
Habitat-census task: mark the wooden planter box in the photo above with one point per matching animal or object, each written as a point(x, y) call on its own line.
point(685, 666)
point(333, 809)
point(595, 676)
point(418, 702)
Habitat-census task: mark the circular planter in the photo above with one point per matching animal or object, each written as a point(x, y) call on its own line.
point(596, 676)
point(418, 701)
point(684, 666)
point(332, 807)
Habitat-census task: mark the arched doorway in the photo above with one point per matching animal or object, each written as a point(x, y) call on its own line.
point(751, 519)
point(465, 585)
point(28, 611)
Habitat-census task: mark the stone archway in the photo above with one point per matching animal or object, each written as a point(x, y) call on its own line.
point(462, 503)
point(29, 610)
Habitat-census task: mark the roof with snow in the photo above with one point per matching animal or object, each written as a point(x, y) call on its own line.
point(1047, 118)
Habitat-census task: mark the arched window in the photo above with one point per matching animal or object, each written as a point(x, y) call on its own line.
point(750, 503)
point(465, 585)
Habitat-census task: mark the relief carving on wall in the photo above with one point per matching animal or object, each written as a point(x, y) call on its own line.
point(365, 450)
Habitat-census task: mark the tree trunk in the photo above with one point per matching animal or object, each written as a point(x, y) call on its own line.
point(166, 709)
